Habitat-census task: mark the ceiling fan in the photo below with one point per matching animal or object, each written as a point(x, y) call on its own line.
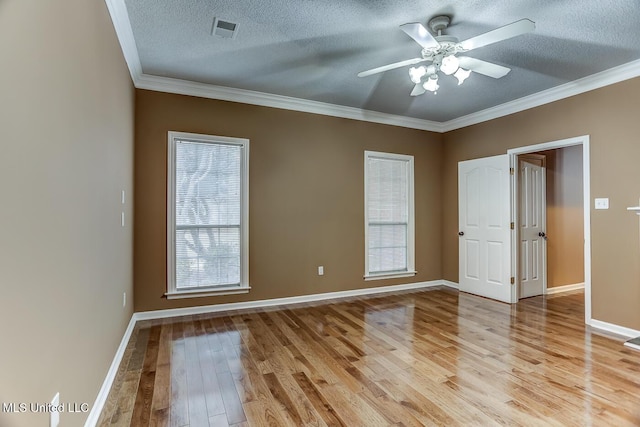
point(442, 51)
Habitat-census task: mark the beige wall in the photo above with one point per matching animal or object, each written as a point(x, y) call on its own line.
point(67, 151)
point(67, 121)
point(565, 216)
point(610, 116)
point(306, 195)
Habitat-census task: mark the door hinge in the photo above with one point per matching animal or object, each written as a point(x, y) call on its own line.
point(512, 225)
point(511, 171)
point(513, 280)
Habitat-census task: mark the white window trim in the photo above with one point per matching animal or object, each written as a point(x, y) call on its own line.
point(411, 222)
point(243, 287)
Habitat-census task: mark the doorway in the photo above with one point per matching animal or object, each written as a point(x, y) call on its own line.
point(565, 211)
point(479, 186)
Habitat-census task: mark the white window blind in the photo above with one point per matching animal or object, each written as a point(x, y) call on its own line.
point(208, 212)
point(389, 214)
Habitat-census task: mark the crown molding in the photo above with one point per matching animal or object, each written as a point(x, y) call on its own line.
point(122, 25)
point(595, 81)
point(204, 90)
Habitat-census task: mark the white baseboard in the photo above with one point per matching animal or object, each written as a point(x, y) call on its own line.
point(614, 329)
point(175, 312)
point(633, 343)
point(564, 288)
point(101, 399)
point(450, 284)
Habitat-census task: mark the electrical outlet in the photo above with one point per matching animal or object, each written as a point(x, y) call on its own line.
point(54, 417)
point(124, 299)
point(320, 270)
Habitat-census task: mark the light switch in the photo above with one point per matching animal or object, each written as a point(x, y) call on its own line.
point(602, 203)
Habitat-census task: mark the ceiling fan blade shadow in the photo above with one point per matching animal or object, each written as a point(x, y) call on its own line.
point(566, 60)
point(326, 60)
point(483, 67)
point(514, 29)
point(418, 90)
point(389, 93)
point(420, 34)
point(391, 67)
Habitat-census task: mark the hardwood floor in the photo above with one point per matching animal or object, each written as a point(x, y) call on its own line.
point(434, 357)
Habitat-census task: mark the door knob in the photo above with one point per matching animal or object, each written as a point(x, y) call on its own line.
point(543, 235)
point(461, 233)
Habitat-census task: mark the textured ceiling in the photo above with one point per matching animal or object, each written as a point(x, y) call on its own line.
point(313, 49)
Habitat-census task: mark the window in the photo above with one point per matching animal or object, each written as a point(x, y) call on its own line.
point(389, 215)
point(207, 215)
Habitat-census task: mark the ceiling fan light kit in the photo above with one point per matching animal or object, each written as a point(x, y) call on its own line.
point(442, 51)
point(431, 84)
point(450, 64)
point(461, 75)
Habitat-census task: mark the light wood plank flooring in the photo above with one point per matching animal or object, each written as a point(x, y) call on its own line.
point(434, 357)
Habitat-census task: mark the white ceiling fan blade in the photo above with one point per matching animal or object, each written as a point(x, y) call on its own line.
point(418, 90)
point(508, 31)
point(390, 67)
point(483, 67)
point(420, 34)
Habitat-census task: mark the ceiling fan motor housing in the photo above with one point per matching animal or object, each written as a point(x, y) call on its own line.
point(448, 46)
point(439, 23)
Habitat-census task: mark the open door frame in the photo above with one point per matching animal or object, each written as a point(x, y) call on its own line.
point(586, 182)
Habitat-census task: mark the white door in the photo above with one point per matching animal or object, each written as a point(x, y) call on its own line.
point(532, 222)
point(484, 220)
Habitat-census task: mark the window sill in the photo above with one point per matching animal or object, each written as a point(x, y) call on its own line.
point(197, 293)
point(390, 275)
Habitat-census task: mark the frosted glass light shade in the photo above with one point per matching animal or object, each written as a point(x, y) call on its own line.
point(449, 65)
point(431, 84)
point(416, 73)
point(462, 75)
